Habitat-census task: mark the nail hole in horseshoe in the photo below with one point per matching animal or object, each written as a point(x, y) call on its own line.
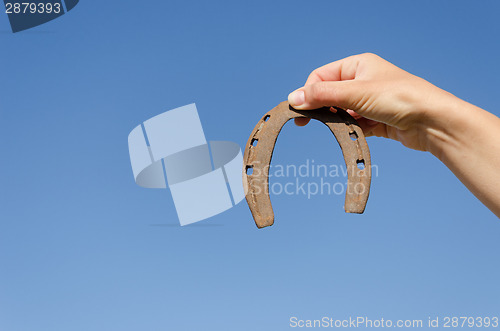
point(266, 118)
point(249, 170)
point(353, 135)
point(254, 142)
point(361, 164)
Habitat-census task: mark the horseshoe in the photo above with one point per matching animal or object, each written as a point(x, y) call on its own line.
point(259, 151)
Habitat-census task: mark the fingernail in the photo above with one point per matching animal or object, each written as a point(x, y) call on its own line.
point(296, 98)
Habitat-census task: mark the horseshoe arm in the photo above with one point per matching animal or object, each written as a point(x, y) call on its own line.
point(260, 146)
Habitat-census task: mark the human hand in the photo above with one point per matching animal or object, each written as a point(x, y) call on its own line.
point(390, 102)
point(385, 100)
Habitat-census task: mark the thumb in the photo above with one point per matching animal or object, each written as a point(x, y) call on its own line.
point(349, 94)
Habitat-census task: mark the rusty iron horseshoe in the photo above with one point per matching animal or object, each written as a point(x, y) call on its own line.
point(259, 151)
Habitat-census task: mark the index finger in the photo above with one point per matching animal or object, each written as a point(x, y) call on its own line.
point(344, 69)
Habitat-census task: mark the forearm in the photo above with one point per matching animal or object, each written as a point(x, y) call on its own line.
point(466, 139)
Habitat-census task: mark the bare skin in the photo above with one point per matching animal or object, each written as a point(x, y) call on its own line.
point(392, 103)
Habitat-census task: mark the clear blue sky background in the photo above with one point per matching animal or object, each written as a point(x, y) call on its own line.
point(82, 247)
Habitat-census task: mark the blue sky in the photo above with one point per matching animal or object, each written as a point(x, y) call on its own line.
point(82, 247)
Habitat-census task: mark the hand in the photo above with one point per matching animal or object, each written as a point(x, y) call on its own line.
point(390, 102)
point(386, 100)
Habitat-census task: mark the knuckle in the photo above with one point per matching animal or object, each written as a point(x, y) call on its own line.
point(316, 92)
point(370, 56)
point(320, 93)
point(314, 73)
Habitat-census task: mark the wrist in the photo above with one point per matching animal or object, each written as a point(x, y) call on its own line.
point(465, 138)
point(446, 119)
